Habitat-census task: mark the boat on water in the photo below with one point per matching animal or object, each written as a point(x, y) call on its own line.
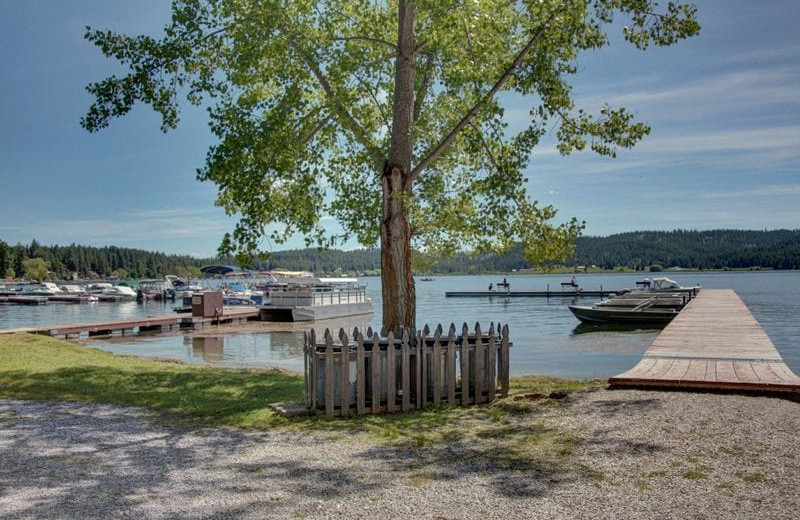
point(86, 297)
point(107, 291)
point(662, 284)
point(42, 289)
point(310, 298)
point(635, 307)
point(623, 315)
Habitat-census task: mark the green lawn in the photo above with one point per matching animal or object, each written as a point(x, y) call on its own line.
point(39, 367)
point(43, 368)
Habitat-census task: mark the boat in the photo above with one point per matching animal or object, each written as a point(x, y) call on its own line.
point(86, 297)
point(644, 313)
point(662, 284)
point(309, 298)
point(106, 291)
point(42, 289)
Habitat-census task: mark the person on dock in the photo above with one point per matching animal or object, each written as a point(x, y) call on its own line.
point(491, 286)
point(573, 282)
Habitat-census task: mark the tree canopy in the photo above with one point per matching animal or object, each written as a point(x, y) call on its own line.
point(382, 115)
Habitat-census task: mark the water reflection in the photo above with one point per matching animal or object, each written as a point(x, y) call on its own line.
point(210, 349)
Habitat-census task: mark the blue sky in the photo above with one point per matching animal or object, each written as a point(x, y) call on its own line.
point(724, 151)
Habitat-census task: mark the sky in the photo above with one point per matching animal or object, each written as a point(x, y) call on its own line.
point(724, 151)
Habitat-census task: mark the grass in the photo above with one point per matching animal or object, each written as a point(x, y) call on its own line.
point(42, 368)
point(505, 433)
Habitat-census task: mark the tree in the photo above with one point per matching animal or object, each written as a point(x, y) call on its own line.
point(382, 114)
point(35, 268)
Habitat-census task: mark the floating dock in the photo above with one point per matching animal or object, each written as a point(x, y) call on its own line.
point(162, 323)
point(714, 343)
point(532, 294)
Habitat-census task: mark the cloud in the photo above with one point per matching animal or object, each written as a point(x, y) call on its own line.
point(759, 191)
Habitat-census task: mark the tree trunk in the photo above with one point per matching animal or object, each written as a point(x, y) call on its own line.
point(397, 280)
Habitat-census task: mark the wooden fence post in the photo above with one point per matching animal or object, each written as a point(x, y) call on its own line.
point(492, 362)
point(361, 407)
point(464, 365)
point(478, 364)
point(344, 398)
point(328, 374)
point(451, 366)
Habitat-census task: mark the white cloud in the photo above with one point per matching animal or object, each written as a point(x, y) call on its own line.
point(760, 191)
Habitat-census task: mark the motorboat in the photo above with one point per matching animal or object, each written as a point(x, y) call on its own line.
point(42, 289)
point(644, 313)
point(662, 284)
point(86, 297)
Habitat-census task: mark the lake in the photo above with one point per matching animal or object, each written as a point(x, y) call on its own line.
point(547, 338)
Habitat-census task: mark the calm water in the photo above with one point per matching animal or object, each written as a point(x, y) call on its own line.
point(547, 338)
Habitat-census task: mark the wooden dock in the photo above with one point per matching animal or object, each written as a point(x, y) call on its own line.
point(714, 343)
point(501, 293)
point(161, 323)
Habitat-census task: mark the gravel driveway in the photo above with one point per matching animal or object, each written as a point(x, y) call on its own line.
point(641, 454)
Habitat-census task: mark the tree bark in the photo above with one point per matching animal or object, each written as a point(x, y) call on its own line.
point(397, 280)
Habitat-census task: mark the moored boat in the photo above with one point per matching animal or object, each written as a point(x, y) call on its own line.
point(623, 315)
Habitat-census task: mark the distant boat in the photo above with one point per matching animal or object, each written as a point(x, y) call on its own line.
point(307, 299)
point(661, 284)
point(86, 297)
point(42, 289)
point(427, 279)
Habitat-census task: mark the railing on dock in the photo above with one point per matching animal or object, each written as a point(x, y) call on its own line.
point(379, 373)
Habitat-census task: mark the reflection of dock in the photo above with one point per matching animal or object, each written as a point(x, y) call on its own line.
point(714, 343)
point(532, 294)
point(163, 323)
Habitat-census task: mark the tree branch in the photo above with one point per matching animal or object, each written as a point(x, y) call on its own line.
point(433, 154)
point(346, 118)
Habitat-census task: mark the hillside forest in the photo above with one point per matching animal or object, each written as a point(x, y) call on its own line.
point(636, 251)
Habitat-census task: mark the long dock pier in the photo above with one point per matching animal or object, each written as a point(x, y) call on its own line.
point(161, 323)
point(532, 294)
point(714, 343)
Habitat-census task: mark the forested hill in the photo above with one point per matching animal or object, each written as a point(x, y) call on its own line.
point(718, 249)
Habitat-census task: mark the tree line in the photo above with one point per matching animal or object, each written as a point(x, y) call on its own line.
point(641, 250)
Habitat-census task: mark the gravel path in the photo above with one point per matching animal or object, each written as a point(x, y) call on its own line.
point(642, 454)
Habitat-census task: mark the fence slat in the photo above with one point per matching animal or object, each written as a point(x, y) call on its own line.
point(361, 407)
point(491, 369)
point(375, 370)
point(478, 364)
point(391, 378)
point(344, 398)
point(504, 367)
point(464, 365)
point(329, 374)
point(437, 367)
point(451, 367)
point(405, 374)
point(418, 370)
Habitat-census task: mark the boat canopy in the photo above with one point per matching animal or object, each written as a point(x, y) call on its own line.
point(224, 270)
point(665, 283)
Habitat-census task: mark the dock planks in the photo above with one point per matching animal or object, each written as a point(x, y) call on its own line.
point(162, 323)
point(714, 343)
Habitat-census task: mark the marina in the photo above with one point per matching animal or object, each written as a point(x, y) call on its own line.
point(714, 343)
point(548, 339)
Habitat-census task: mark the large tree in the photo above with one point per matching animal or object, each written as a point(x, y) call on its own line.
point(385, 115)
